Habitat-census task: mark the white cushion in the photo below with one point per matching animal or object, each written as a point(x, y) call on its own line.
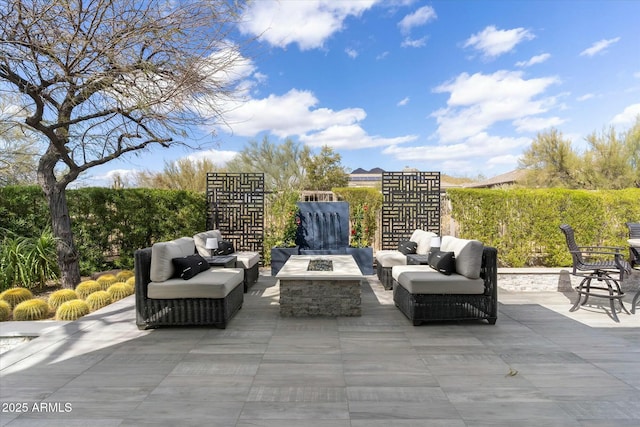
point(634, 242)
point(389, 258)
point(246, 259)
point(214, 283)
point(163, 252)
point(423, 239)
point(200, 241)
point(468, 255)
point(422, 279)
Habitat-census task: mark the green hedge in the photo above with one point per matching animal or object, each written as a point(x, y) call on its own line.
point(108, 225)
point(524, 224)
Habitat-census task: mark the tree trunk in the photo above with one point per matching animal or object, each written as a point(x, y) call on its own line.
point(68, 259)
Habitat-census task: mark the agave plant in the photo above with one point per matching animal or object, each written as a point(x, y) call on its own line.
point(28, 262)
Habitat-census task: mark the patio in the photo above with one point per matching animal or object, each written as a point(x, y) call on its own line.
point(539, 365)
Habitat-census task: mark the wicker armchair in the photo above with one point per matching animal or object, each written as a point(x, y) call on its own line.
point(634, 243)
point(634, 255)
point(153, 313)
point(421, 308)
point(605, 264)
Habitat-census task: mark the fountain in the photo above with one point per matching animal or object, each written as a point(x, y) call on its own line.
point(324, 230)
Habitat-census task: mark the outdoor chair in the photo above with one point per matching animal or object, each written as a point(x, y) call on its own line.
point(605, 264)
point(634, 243)
point(634, 255)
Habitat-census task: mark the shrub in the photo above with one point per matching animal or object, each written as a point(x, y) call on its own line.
point(98, 300)
point(15, 296)
point(72, 310)
point(119, 290)
point(28, 261)
point(60, 296)
point(5, 310)
point(86, 288)
point(106, 280)
point(33, 309)
point(124, 275)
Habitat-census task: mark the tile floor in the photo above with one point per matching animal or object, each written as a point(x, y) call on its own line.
point(538, 366)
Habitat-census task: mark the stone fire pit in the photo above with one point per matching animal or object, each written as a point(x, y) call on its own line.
point(322, 292)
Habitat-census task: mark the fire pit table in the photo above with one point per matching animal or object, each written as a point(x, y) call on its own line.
point(327, 285)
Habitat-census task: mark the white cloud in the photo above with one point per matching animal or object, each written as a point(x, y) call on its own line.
point(218, 157)
point(599, 47)
point(585, 97)
point(538, 59)
point(636, 75)
point(493, 42)
point(290, 114)
point(350, 137)
point(479, 146)
point(536, 124)
point(417, 18)
point(308, 23)
point(409, 42)
point(383, 55)
point(628, 116)
point(403, 102)
point(352, 53)
point(478, 101)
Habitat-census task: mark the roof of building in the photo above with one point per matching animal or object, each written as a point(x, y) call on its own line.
point(503, 179)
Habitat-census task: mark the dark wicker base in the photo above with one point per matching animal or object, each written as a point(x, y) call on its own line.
point(421, 308)
point(384, 274)
point(250, 276)
point(153, 313)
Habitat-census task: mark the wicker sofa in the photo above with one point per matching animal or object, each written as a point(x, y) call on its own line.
point(211, 297)
point(248, 261)
point(387, 259)
point(471, 292)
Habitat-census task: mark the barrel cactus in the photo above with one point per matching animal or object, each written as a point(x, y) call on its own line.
point(72, 310)
point(15, 296)
point(86, 288)
point(62, 295)
point(123, 275)
point(106, 280)
point(98, 300)
point(131, 281)
point(119, 290)
point(33, 309)
point(5, 310)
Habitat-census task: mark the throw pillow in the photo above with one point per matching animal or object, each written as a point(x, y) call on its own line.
point(443, 262)
point(225, 247)
point(407, 247)
point(189, 266)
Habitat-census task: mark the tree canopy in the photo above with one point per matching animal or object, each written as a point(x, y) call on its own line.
point(610, 161)
point(98, 79)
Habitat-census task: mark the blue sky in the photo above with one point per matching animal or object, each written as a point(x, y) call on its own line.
point(460, 87)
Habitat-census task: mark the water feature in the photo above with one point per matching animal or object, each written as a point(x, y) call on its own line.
point(324, 227)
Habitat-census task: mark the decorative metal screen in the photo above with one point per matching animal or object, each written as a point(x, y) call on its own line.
point(235, 206)
point(410, 200)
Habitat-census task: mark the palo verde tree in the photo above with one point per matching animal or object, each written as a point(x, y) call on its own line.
point(98, 79)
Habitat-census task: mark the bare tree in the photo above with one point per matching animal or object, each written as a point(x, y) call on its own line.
point(98, 79)
point(182, 174)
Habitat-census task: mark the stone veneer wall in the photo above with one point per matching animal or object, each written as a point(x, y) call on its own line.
point(551, 280)
point(305, 298)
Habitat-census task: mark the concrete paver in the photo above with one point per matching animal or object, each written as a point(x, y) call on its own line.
point(539, 365)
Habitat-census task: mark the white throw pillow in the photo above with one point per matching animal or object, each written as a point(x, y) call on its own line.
point(423, 239)
point(163, 252)
point(200, 241)
point(468, 255)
